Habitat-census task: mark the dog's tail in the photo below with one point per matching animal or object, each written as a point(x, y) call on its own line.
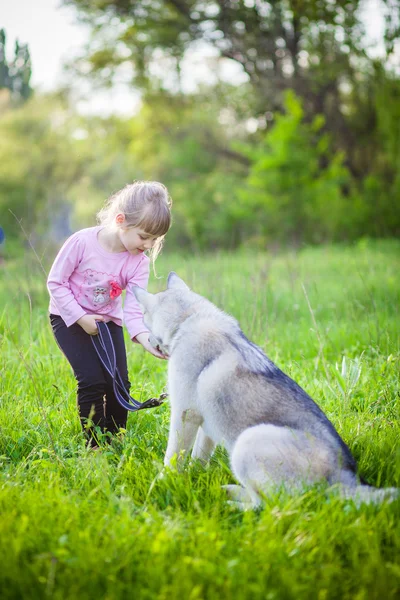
point(352, 486)
point(367, 494)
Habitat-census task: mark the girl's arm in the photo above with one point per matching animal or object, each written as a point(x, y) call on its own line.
point(143, 338)
point(133, 316)
point(64, 265)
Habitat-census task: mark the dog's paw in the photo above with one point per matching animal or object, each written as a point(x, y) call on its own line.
point(237, 493)
point(242, 506)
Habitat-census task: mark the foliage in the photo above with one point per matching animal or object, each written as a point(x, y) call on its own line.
point(385, 174)
point(15, 75)
point(184, 142)
point(52, 158)
point(314, 47)
point(295, 188)
point(111, 524)
point(286, 184)
point(36, 163)
point(266, 38)
point(306, 151)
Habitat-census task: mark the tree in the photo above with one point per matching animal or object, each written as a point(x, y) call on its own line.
point(15, 75)
point(46, 157)
point(277, 43)
point(186, 142)
point(294, 191)
point(314, 47)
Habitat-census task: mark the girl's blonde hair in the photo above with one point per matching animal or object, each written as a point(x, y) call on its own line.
point(145, 204)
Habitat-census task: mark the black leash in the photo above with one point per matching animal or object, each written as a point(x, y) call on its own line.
point(104, 347)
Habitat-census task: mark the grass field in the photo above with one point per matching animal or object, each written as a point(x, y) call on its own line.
point(80, 524)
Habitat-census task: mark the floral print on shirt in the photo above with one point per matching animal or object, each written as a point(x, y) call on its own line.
point(100, 289)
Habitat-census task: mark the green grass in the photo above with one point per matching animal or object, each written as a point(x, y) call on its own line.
point(106, 525)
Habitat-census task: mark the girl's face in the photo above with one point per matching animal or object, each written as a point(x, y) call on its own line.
point(135, 240)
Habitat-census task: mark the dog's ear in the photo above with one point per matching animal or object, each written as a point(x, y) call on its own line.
point(175, 282)
point(144, 297)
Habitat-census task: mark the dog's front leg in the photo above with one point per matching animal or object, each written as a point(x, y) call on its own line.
point(183, 429)
point(203, 447)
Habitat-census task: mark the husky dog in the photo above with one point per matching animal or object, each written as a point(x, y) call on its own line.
point(224, 389)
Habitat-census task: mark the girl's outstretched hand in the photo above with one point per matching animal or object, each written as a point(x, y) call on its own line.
point(88, 323)
point(143, 338)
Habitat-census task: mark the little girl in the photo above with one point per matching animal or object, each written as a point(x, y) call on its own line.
point(85, 284)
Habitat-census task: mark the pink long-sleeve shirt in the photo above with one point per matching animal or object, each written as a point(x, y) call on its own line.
point(85, 278)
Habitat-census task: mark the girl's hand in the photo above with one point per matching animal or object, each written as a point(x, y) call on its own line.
point(88, 323)
point(143, 338)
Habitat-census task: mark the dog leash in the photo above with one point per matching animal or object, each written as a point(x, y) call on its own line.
point(104, 347)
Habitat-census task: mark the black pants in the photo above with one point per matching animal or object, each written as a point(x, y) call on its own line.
point(95, 394)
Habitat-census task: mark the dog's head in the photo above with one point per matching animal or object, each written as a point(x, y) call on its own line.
point(163, 312)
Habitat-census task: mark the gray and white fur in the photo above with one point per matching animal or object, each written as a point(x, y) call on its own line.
point(224, 389)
